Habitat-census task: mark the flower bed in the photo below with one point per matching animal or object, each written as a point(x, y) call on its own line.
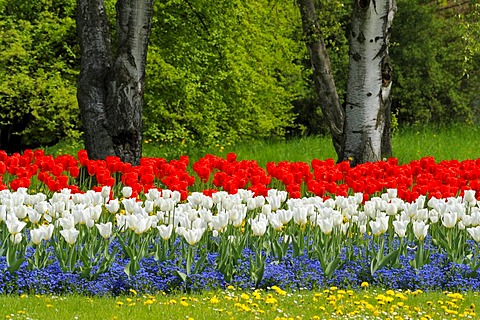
point(104, 227)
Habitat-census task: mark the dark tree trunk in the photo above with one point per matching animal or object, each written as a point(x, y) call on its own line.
point(94, 36)
point(322, 74)
point(110, 90)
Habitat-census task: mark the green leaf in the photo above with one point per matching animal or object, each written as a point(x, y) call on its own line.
point(182, 276)
point(14, 265)
point(332, 266)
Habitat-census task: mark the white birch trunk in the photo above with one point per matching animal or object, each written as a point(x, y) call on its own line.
point(369, 81)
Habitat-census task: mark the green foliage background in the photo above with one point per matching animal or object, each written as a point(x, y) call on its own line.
point(234, 70)
point(38, 70)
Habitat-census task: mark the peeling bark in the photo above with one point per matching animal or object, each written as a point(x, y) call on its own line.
point(322, 74)
point(367, 114)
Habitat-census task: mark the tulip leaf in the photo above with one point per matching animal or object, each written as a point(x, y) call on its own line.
point(14, 265)
point(332, 266)
point(182, 276)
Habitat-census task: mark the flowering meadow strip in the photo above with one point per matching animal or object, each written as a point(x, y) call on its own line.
point(235, 303)
point(90, 242)
point(324, 178)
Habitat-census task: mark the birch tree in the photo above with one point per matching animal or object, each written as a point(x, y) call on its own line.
point(369, 82)
point(111, 87)
point(363, 128)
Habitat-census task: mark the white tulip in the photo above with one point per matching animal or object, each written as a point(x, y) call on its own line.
point(3, 212)
point(300, 215)
point(95, 212)
point(392, 209)
point(105, 193)
point(130, 204)
point(475, 233)
point(363, 228)
point(36, 236)
point(70, 235)
point(326, 225)
point(193, 236)
point(469, 196)
point(21, 211)
point(153, 194)
point(14, 225)
point(259, 227)
point(449, 220)
point(165, 231)
point(401, 227)
point(33, 216)
point(420, 229)
point(113, 206)
point(285, 216)
point(344, 227)
point(127, 192)
point(16, 238)
point(275, 221)
point(220, 221)
point(47, 231)
point(105, 229)
point(392, 193)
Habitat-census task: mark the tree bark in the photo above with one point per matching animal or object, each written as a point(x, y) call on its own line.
point(322, 74)
point(367, 111)
point(126, 88)
point(94, 36)
point(110, 94)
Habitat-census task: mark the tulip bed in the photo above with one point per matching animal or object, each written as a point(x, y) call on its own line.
point(74, 225)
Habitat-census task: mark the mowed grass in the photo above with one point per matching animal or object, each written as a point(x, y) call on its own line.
point(458, 142)
point(329, 303)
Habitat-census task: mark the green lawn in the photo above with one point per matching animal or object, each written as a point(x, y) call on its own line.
point(329, 303)
point(456, 142)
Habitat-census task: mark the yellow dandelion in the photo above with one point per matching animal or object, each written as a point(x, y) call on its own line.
point(245, 296)
point(390, 292)
point(400, 296)
point(279, 290)
point(133, 292)
point(21, 311)
point(364, 284)
point(184, 303)
point(455, 296)
point(148, 302)
point(270, 300)
point(119, 303)
point(230, 287)
point(214, 300)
